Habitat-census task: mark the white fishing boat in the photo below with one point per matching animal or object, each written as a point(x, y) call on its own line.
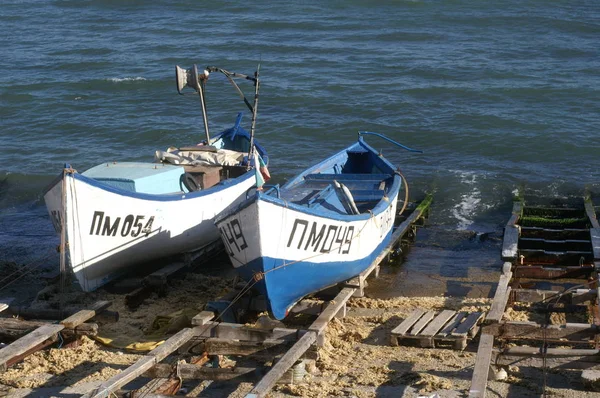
point(119, 215)
point(323, 227)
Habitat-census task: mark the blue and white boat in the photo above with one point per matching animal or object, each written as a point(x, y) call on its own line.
point(323, 227)
point(118, 215)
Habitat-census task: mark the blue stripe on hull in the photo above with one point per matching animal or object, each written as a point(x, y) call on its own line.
point(286, 285)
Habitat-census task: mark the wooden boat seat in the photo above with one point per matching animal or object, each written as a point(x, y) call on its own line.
point(352, 181)
point(344, 177)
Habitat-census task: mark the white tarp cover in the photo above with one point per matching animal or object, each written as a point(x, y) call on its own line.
point(223, 157)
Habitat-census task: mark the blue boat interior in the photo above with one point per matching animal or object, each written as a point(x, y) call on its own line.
point(164, 178)
point(356, 169)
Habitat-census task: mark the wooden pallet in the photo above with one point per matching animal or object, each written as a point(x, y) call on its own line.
point(446, 329)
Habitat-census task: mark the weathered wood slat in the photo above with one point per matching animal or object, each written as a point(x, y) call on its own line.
point(450, 326)
point(575, 332)
point(510, 243)
point(556, 358)
point(12, 328)
point(468, 324)
point(142, 365)
point(408, 322)
point(421, 323)
point(482, 366)
point(84, 315)
point(517, 210)
point(216, 346)
point(438, 323)
point(236, 331)
point(194, 372)
point(500, 299)
point(203, 318)
point(27, 342)
point(159, 277)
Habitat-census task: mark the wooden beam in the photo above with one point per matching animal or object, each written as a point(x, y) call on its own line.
point(203, 318)
point(142, 365)
point(216, 346)
point(575, 332)
point(557, 358)
point(27, 342)
point(236, 331)
point(195, 372)
point(84, 315)
point(12, 328)
point(510, 243)
point(500, 299)
point(159, 278)
point(482, 366)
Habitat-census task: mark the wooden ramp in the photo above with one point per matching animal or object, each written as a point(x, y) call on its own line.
point(444, 329)
point(552, 253)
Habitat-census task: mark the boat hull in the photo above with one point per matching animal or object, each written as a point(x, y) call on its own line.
point(109, 230)
point(291, 253)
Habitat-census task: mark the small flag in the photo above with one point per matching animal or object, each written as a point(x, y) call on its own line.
point(258, 165)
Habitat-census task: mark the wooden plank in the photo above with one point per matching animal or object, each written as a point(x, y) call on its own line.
point(482, 366)
point(84, 315)
point(575, 332)
point(421, 323)
point(203, 318)
point(536, 295)
point(517, 210)
point(142, 365)
point(595, 237)
point(591, 213)
point(450, 326)
point(467, 324)
point(159, 278)
point(216, 346)
point(13, 328)
point(500, 299)
point(195, 372)
point(408, 322)
point(26, 342)
point(236, 331)
point(510, 243)
point(286, 362)
point(439, 321)
point(556, 358)
point(5, 303)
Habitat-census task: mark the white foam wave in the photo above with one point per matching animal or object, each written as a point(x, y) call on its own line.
point(470, 202)
point(125, 79)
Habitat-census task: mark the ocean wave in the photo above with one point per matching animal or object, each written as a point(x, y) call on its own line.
point(125, 79)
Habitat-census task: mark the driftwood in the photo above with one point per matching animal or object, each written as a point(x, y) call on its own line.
point(12, 329)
